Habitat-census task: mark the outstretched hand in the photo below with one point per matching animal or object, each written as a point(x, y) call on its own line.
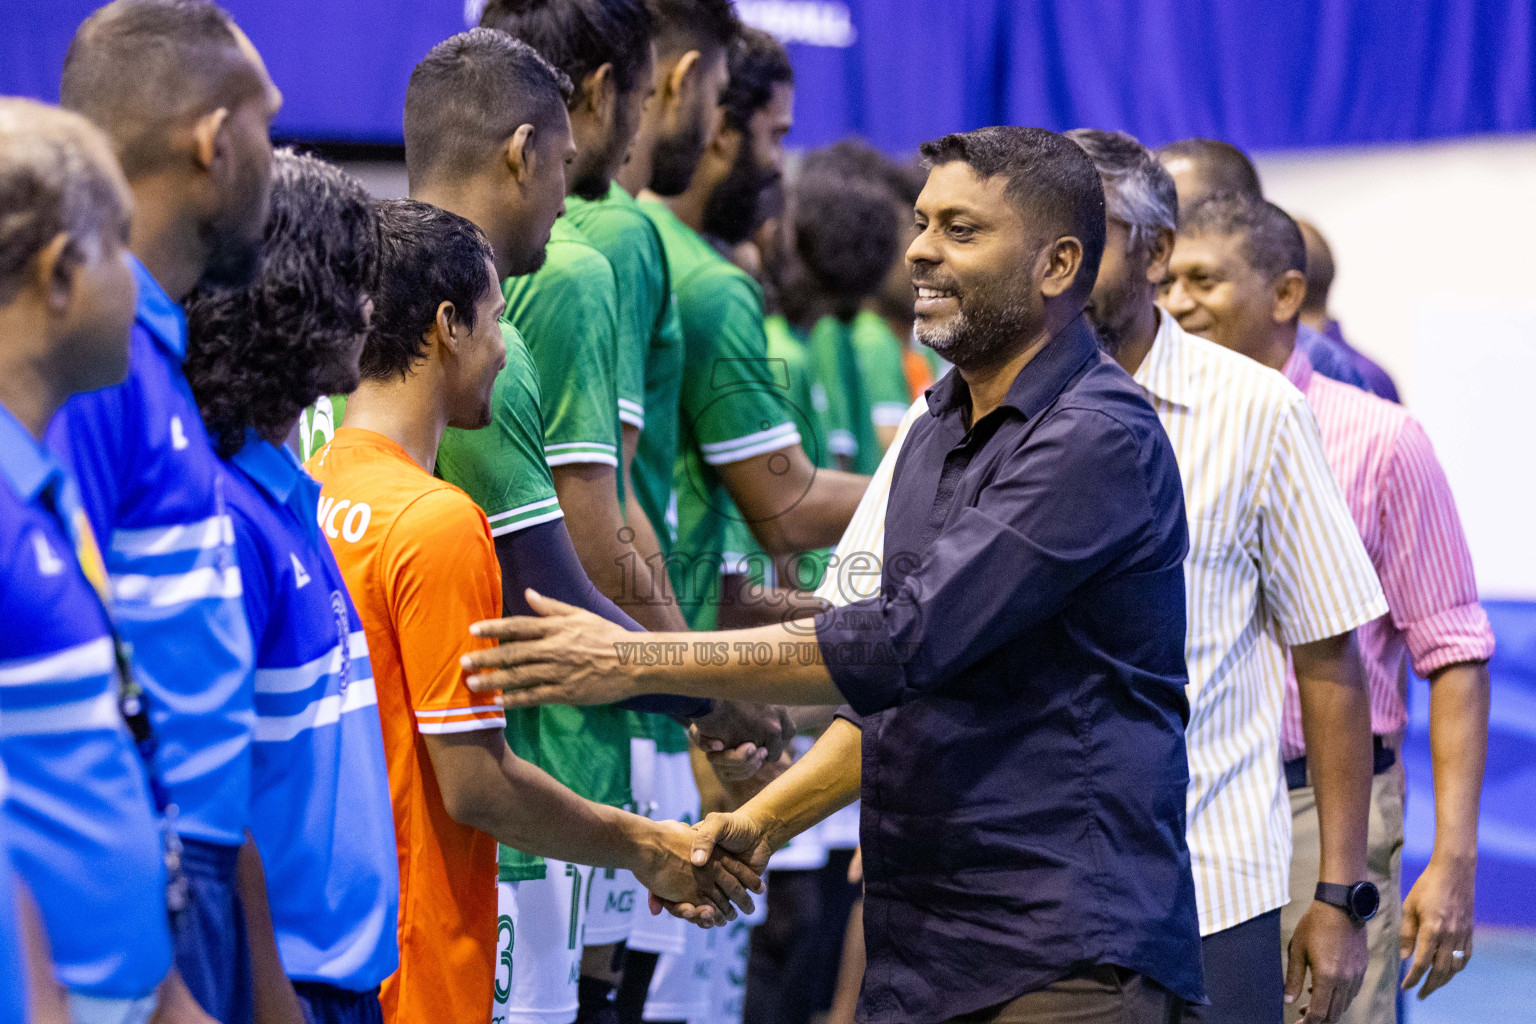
point(720, 839)
point(563, 655)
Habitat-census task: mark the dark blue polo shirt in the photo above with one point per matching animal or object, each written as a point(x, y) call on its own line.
point(1021, 686)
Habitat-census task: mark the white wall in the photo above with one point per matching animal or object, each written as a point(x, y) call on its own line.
point(1436, 252)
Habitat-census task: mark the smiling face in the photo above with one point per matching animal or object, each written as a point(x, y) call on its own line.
point(1213, 291)
point(973, 268)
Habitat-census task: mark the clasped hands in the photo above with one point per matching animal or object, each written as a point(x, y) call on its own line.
point(730, 852)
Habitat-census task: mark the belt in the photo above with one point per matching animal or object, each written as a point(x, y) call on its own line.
point(1383, 758)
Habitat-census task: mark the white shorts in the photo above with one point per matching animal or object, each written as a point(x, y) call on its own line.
point(676, 799)
point(85, 1009)
point(612, 895)
point(683, 984)
point(545, 916)
point(728, 982)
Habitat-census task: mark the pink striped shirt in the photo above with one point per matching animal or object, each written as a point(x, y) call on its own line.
point(1402, 505)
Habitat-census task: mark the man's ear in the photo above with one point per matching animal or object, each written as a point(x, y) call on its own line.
point(684, 77)
point(209, 143)
point(519, 152)
point(1290, 293)
point(1063, 260)
point(1159, 256)
point(53, 273)
point(445, 327)
point(600, 92)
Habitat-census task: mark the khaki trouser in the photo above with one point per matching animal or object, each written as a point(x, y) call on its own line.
point(1377, 1001)
point(1094, 995)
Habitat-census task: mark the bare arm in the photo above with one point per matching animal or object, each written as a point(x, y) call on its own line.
point(572, 655)
point(1437, 912)
point(1336, 722)
point(487, 787)
point(276, 1001)
point(825, 780)
point(588, 494)
point(790, 504)
point(48, 1004)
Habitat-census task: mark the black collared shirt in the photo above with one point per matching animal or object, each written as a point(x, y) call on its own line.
point(1021, 687)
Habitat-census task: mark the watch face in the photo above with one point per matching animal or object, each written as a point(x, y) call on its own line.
point(1364, 901)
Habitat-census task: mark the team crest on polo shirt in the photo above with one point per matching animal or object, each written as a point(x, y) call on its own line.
point(339, 609)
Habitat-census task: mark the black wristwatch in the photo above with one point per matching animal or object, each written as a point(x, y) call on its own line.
point(1360, 901)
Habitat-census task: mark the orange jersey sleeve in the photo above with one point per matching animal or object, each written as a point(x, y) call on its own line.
point(441, 574)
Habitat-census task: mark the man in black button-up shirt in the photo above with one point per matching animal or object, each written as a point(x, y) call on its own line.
point(1019, 682)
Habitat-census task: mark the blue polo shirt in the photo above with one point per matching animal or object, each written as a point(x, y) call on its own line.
point(321, 811)
point(13, 981)
point(149, 480)
point(82, 830)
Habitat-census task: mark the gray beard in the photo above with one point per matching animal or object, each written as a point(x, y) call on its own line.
point(976, 339)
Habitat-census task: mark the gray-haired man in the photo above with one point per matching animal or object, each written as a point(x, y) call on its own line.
point(1267, 526)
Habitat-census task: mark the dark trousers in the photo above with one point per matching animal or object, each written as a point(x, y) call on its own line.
point(1243, 979)
point(1097, 995)
point(327, 1004)
point(212, 956)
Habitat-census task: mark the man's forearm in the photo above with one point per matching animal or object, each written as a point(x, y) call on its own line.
point(274, 997)
point(823, 781)
point(791, 505)
point(1336, 723)
point(778, 664)
point(1458, 744)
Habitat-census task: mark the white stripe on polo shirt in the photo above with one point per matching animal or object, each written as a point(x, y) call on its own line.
point(1274, 560)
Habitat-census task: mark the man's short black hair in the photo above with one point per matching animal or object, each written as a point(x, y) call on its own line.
point(1224, 167)
point(1050, 179)
point(708, 26)
point(470, 94)
point(846, 235)
point(854, 157)
point(758, 63)
point(137, 68)
point(1272, 243)
point(258, 355)
point(428, 256)
point(580, 36)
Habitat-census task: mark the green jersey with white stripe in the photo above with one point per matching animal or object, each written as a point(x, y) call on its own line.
point(649, 361)
point(733, 404)
point(502, 466)
point(880, 365)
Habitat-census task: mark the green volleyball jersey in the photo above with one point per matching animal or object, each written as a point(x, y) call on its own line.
point(502, 466)
point(880, 366)
point(318, 423)
point(649, 362)
point(733, 404)
point(808, 403)
point(568, 312)
point(850, 429)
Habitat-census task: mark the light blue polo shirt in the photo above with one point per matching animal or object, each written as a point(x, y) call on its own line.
point(13, 979)
point(83, 833)
point(149, 480)
point(321, 811)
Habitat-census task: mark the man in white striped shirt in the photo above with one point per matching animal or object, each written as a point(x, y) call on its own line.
point(1275, 562)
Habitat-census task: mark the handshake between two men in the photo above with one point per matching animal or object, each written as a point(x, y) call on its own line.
point(565, 655)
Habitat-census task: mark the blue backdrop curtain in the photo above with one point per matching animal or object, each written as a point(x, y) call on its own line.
point(1265, 74)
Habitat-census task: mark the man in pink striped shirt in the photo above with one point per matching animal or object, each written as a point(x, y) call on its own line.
point(1237, 277)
